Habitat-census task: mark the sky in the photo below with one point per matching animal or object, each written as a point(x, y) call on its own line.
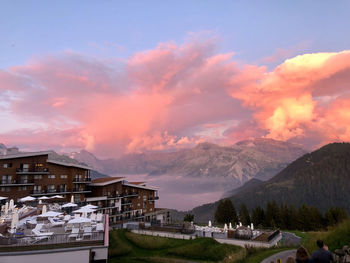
point(115, 77)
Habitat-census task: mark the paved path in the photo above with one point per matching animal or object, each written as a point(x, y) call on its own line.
point(281, 255)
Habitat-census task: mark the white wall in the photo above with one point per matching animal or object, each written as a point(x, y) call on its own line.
point(81, 256)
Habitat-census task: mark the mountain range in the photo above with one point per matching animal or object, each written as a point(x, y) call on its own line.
point(320, 178)
point(258, 158)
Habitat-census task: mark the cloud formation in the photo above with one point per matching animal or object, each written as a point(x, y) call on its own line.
point(175, 96)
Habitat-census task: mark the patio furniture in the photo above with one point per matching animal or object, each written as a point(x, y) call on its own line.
point(87, 232)
point(54, 222)
point(74, 234)
point(99, 217)
point(99, 227)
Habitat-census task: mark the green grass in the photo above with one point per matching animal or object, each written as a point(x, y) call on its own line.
point(260, 254)
point(129, 247)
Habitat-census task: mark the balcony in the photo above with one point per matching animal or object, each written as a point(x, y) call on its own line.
point(50, 191)
point(133, 194)
point(153, 198)
point(127, 203)
point(16, 182)
point(32, 171)
point(82, 180)
point(81, 190)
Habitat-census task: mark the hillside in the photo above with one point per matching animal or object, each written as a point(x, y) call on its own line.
point(320, 179)
point(259, 158)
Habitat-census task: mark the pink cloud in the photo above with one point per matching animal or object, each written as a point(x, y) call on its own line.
point(165, 98)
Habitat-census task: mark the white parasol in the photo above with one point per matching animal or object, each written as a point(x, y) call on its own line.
point(84, 210)
point(44, 209)
point(79, 220)
point(69, 205)
point(14, 221)
point(72, 199)
point(11, 205)
point(6, 208)
point(225, 228)
point(90, 206)
point(57, 196)
point(44, 198)
point(27, 199)
point(209, 223)
point(3, 198)
point(50, 214)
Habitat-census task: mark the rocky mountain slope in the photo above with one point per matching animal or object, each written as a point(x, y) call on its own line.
point(320, 179)
point(259, 158)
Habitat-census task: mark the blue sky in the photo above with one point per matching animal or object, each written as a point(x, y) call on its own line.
point(251, 29)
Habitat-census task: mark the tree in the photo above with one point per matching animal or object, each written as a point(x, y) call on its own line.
point(258, 216)
point(335, 215)
point(189, 218)
point(272, 216)
point(225, 212)
point(244, 216)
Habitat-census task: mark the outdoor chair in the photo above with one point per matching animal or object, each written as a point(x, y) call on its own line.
point(87, 232)
point(68, 227)
point(54, 223)
point(99, 217)
point(74, 234)
point(99, 227)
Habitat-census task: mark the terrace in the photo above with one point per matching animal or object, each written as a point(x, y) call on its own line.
point(29, 228)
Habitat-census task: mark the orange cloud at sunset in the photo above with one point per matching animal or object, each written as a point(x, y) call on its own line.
point(175, 96)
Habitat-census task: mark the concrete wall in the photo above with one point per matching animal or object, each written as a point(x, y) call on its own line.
point(236, 242)
point(163, 234)
point(55, 256)
point(243, 243)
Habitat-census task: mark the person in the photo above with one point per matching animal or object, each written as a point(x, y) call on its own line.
point(302, 256)
point(290, 260)
point(322, 255)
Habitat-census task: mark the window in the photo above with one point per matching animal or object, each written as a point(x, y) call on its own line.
point(7, 165)
point(23, 188)
point(51, 176)
point(38, 176)
point(144, 198)
point(3, 189)
point(25, 167)
point(64, 176)
point(138, 204)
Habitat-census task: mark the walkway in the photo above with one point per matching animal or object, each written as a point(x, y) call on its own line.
point(281, 255)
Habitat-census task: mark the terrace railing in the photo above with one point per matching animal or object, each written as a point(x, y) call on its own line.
point(66, 240)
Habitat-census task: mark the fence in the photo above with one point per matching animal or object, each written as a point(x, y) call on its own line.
point(68, 239)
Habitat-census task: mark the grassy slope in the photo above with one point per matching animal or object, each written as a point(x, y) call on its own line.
point(129, 247)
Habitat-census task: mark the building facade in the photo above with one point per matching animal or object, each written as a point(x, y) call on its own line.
point(39, 174)
point(35, 174)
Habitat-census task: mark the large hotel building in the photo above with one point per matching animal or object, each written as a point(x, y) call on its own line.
point(48, 174)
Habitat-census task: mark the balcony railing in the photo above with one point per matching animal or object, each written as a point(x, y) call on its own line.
point(32, 171)
point(82, 180)
point(16, 182)
point(130, 194)
point(50, 191)
point(81, 190)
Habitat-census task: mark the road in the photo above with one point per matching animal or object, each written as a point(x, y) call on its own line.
point(281, 255)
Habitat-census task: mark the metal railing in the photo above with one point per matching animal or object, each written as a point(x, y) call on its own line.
point(20, 240)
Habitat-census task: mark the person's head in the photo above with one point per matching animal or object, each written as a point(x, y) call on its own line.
point(302, 254)
point(290, 260)
point(320, 243)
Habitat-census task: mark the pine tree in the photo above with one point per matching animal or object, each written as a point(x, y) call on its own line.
point(244, 216)
point(335, 215)
point(258, 216)
point(189, 218)
point(272, 216)
point(226, 212)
